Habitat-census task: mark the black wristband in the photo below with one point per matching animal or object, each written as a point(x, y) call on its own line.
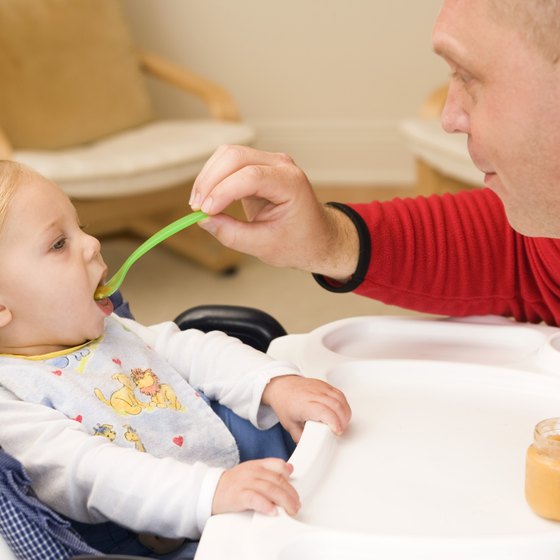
point(363, 257)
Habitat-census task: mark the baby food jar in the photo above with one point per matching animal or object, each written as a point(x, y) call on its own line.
point(542, 470)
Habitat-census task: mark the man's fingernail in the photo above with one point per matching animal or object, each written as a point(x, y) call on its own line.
point(195, 199)
point(207, 205)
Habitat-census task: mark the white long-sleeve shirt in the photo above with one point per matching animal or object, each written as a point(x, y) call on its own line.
point(156, 481)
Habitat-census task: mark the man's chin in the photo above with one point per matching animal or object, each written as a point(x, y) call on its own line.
point(525, 223)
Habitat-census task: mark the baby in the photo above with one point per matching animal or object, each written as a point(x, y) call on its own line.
point(150, 428)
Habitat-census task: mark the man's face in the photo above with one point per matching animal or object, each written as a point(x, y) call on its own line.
point(505, 95)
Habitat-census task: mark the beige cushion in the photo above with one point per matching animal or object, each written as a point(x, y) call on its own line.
point(151, 157)
point(68, 73)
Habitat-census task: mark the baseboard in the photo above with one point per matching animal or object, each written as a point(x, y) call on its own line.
point(342, 152)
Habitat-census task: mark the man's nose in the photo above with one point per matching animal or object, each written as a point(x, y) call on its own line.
point(455, 117)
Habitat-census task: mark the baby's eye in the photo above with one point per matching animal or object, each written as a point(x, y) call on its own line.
point(59, 244)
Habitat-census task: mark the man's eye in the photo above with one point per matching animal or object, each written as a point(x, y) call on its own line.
point(462, 77)
point(58, 245)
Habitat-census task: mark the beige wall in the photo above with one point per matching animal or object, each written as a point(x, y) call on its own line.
point(326, 80)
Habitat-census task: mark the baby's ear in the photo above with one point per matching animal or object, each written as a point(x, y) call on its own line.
point(5, 316)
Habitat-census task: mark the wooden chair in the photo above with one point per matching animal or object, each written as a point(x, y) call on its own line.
point(442, 161)
point(76, 107)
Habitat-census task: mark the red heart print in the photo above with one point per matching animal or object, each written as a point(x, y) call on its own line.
point(57, 372)
point(78, 418)
point(117, 361)
point(178, 441)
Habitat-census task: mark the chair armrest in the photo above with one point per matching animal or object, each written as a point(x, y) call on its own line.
point(219, 101)
point(5, 146)
point(252, 326)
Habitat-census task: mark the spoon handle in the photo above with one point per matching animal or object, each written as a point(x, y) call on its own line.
point(115, 282)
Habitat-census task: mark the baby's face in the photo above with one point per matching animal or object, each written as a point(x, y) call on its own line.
point(50, 270)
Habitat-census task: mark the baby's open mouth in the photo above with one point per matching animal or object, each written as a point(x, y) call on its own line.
point(106, 305)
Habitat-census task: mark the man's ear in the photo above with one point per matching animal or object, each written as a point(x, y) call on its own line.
point(5, 316)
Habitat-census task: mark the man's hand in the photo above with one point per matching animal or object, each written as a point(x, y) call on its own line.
point(287, 226)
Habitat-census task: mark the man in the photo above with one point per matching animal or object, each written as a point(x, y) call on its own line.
point(491, 250)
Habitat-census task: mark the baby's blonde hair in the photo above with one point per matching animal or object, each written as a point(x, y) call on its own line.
point(11, 174)
point(538, 20)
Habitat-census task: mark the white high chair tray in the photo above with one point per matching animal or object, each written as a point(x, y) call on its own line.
point(432, 465)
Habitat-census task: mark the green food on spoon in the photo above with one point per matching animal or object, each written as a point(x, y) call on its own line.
point(115, 283)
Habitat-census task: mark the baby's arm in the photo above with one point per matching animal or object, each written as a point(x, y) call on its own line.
point(244, 379)
point(91, 479)
point(221, 366)
point(297, 399)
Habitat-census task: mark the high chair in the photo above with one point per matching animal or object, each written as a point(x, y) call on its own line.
point(31, 531)
point(75, 106)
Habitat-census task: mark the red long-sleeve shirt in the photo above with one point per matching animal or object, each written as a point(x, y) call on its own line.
point(455, 255)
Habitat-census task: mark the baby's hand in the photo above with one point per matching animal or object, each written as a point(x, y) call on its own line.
point(256, 485)
point(297, 399)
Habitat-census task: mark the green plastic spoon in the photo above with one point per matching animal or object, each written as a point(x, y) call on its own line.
point(115, 283)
